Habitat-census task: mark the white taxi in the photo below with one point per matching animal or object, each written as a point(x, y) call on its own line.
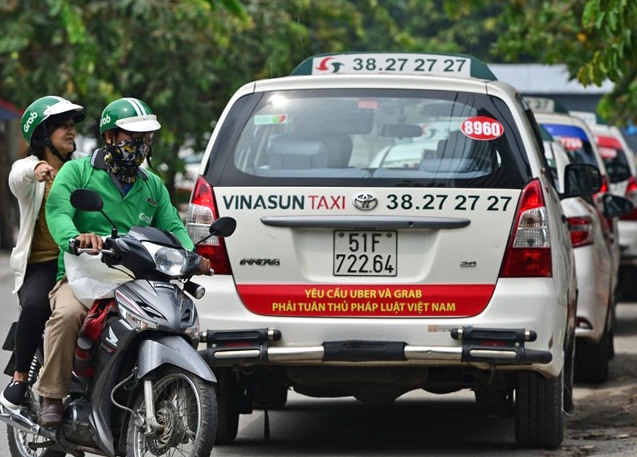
point(620, 162)
point(575, 135)
point(593, 260)
point(352, 276)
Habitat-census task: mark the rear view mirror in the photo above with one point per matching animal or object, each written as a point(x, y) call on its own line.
point(89, 200)
point(86, 200)
point(616, 206)
point(400, 130)
point(581, 179)
point(224, 226)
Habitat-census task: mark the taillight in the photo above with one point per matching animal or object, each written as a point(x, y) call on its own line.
point(631, 194)
point(581, 229)
point(604, 187)
point(528, 252)
point(201, 213)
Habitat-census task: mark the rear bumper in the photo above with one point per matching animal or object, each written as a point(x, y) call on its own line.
point(503, 347)
point(517, 303)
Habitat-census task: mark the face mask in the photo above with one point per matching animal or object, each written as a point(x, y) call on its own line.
point(125, 157)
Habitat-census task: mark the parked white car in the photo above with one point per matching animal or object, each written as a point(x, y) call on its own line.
point(620, 162)
point(578, 140)
point(595, 322)
point(349, 275)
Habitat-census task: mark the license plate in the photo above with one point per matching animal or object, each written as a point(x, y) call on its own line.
point(365, 253)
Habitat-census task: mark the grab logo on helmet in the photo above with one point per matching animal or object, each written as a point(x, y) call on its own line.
point(27, 125)
point(105, 120)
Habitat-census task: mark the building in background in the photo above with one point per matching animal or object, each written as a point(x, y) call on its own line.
point(554, 81)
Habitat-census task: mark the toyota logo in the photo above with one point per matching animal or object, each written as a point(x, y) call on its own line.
point(365, 201)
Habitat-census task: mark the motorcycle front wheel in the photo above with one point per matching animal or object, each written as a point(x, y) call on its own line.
point(186, 408)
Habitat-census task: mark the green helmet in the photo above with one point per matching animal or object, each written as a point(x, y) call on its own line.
point(45, 107)
point(128, 114)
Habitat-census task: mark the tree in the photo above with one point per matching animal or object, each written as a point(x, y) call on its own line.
point(94, 51)
point(597, 39)
point(186, 58)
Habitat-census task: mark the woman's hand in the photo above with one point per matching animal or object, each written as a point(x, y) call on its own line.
point(44, 172)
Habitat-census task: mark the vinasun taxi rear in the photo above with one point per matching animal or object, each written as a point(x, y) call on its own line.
point(351, 276)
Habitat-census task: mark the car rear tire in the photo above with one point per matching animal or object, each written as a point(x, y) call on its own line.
point(627, 286)
point(569, 375)
point(592, 359)
point(539, 420)
point(228, 406)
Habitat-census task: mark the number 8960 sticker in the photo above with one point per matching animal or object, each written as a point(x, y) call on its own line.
point(482, 128)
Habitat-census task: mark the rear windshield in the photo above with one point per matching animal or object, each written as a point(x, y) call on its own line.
point(369, 137)
point(575, 141)
point(614, 158)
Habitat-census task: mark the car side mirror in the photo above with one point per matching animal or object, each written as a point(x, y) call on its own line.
point(581, 180)
point(616, 206)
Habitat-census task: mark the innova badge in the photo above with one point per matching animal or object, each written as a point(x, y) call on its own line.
point(365, 201)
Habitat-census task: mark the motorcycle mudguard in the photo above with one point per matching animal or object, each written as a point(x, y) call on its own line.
point(173, 350)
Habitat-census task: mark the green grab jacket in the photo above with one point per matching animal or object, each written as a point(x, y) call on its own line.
point(147, 203)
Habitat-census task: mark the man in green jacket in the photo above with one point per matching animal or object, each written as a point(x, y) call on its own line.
point(132, 196)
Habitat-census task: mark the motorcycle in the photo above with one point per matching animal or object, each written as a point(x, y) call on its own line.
point(148, 391)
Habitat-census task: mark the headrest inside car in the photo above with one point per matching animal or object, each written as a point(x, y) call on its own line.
point(293, 152)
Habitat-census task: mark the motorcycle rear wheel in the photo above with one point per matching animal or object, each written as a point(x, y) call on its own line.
point(19, 440)
point(187, 406)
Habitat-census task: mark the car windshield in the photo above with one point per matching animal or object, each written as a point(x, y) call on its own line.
point(614, 158)
point(433, 138)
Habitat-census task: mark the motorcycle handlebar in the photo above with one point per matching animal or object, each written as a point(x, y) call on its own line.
point(74, 243)
point(103, 251)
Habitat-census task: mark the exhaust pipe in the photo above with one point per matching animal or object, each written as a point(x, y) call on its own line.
point(17, 420)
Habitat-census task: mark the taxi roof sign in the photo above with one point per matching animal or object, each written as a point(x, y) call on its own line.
point(398, 63)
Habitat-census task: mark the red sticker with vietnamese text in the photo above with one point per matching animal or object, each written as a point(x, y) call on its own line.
point(482, 128)
point(349, 300)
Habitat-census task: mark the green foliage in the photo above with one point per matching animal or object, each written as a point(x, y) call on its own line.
point(597, 39)
point(94, 51)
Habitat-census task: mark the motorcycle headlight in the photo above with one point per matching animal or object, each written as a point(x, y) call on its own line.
point(170, 261)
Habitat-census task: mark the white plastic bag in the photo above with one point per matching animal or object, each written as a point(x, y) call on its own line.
point(91, 279)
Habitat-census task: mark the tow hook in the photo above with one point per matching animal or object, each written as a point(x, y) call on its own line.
point(499, 346)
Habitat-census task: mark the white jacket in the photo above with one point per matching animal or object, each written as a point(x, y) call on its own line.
point(29, 193)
